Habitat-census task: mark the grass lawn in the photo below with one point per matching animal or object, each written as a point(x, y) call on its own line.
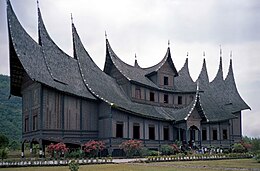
point(241, 164)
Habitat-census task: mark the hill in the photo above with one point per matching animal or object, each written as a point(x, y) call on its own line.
point(10, 111)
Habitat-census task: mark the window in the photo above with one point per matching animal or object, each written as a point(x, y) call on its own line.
point(151, 132)
point(152, 96)
point(179, 100)
point(225, 134)
point(119, 129)
point(204, 134)
point(26, 125)
point(136, 131)
point(35, 122)
point(215, 134)
point(138, 93)
point(165, 98)
point(165, 80)
point(166, 133)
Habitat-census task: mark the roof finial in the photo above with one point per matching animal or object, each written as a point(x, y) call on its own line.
point(220, 50)
point(105, 34)
point(37, 4)
point(168, 43)
point(231, 55)
point(135, 57)
point(71, 17)
point(204, 53)
point(187, 54)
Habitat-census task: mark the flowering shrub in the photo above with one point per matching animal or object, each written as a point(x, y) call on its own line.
point(57, 150)
point(246, 145)
point(170, 149)
point(238, 148)
point(92, 147)
point(175, 148)
point(131, 147)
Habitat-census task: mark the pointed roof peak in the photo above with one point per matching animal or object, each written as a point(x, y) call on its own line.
point(186, 61)
point(71, 18)
point(105, 35)
point(203, 76)
point(220, 50)
point(219, 75)
point(38, 6)
point(136, 63)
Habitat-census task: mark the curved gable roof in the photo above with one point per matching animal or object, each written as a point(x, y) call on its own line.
point(234, 97)
point(131, 73)
point(167, 58)
point(184, 81)
point(35, 60)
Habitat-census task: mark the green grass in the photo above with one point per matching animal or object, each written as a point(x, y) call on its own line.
point(249, 164)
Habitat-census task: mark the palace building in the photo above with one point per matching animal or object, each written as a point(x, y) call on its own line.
point(71, 100)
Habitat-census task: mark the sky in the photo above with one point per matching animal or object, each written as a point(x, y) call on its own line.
point(144, 27)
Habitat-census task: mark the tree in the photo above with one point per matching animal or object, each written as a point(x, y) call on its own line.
point(238, 148)
point(4, 141)
point(3, 153)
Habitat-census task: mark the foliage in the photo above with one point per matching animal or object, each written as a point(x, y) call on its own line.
point(153, 153)
point(238, 148)
point(57, 150)
point(131, 147)
point(252, 144)
point(73, 165)
point(76, 153)
point(3, 153)
point(257, 157)
point(166, 150)
point(10, 111)
point(92, 148)
point(170, 149)
point(14, 145)
point(4, 141)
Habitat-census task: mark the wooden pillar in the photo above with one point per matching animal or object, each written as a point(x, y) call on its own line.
point(128, 127)
point(62, 114)
point(144, 130)
point(31, 148)
point(199, 131)
point(22, 149)
point(179, 134)
point(41, 109)
point(159, 133)
point(40, 149)
point(81, 120)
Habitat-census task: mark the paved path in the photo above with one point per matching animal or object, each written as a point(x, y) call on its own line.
point(128, 160)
